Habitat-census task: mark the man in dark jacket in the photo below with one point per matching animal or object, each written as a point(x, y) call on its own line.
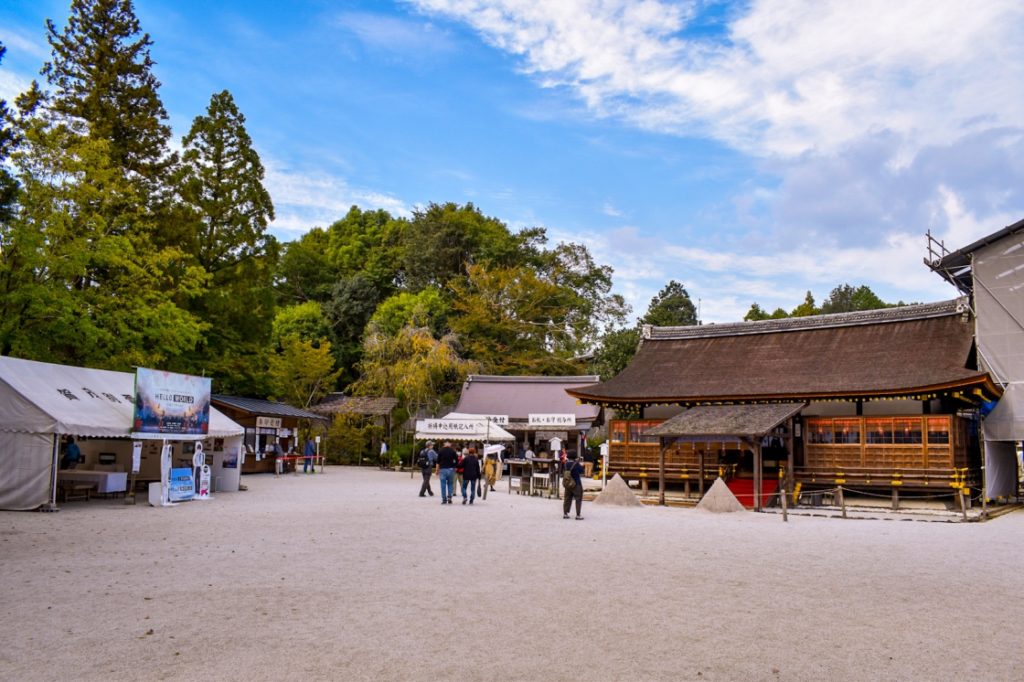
point(446, 461)
point(427, 459)
point(470, 475)
point(576, 493)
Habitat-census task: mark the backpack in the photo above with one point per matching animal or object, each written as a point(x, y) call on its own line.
point(567, 480)
point(423, 461)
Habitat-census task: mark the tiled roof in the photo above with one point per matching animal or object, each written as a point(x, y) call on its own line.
point(339, 403)
point(263, 407)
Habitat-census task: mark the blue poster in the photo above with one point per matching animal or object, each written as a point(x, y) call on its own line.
point(182, 487)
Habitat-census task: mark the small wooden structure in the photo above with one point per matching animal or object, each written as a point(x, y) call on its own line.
point(265, 422)
point(748, 424)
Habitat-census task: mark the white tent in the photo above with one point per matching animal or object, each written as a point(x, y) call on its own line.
point(40, 402)
point(459, 426)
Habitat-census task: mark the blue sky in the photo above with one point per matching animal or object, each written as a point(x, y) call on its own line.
point(752, 151)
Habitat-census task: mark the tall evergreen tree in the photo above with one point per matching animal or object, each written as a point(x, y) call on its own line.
point(101, 74)
point(672, 307)
point(8, 185)
point(84, 280)
point(220, 187)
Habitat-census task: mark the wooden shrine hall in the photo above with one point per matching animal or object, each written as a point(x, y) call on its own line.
point(881, 399)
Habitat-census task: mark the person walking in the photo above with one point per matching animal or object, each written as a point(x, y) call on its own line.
point(308, 454)
point(492, 469)
point(470, 475)
point(446, 461)
point(572, 482)
point(426, 460)
point(458, 474)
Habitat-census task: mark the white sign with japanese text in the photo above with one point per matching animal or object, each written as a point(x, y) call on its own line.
point(551, 420)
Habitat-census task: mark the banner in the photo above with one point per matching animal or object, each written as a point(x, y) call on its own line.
point(452, 427)
point(181, 486)
point(166, 402)
point(549, 420)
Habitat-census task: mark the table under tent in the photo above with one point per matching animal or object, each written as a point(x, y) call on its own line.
point(40, 403)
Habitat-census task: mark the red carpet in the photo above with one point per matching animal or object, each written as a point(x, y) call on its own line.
point(743, 489)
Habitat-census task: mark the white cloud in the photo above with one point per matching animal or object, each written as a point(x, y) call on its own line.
point(793, 76)
point(609, 210)
point(394, 34)
point(308, 198)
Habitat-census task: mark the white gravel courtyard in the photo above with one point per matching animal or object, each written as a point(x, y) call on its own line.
point(351, 576)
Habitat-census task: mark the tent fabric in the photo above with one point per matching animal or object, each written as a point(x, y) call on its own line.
point(472, 427)
point(1000, 469)
point(727, 420)
point(26, 470)
point(1006, 421)
point(41, 397)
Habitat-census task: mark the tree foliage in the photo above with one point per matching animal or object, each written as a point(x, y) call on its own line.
point(671, 307)
point(421, 371)
point(303, 372)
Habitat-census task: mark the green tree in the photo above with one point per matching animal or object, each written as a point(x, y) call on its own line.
point(303, 372)
point(8, 184)
point(303, 320)
point(101, 72)
point(421, 371)
point(756, 313)
point(80, 283)
point(426, 308)
point(220, 189)
point(443, 240)
point(304, 271)
point(807, 308)
point(845, 298)
point(353, 301)
point(671, 307)
point(614, 352)
point(513, 321)
point(368, 244)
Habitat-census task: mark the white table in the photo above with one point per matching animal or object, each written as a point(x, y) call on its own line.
point(105, 481)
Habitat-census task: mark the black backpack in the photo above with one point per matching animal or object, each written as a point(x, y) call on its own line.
point(423, 460)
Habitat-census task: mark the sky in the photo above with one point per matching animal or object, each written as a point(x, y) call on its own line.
point(752, 151)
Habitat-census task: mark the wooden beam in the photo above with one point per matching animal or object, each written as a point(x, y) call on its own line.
point(661, 472)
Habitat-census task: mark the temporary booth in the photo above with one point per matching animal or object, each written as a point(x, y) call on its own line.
point(41, 402)
point(459, 426)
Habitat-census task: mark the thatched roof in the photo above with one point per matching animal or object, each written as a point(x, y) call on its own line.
point(727, 420)
point(338, 403)
point(911, 351)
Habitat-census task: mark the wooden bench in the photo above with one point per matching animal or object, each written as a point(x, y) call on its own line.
point(71, 490)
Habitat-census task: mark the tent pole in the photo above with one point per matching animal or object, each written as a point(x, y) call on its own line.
point(52, 504)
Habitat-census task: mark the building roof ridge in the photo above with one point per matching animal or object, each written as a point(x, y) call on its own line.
point(857, 318)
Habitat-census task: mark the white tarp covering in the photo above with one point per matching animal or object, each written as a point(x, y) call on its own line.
point(1000, 469)
point(40, 401)
point(459, 426)
point(1006, 421)
point(998, 271)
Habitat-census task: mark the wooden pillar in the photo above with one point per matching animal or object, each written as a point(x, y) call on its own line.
point(790, 444)
point(758, 475)
point(661, 473)
point(700, 482)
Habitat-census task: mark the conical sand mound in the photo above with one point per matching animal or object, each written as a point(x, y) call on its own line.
point(720, 499)
point(617, 492)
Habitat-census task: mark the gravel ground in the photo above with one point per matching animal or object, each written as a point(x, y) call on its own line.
point(350, 576)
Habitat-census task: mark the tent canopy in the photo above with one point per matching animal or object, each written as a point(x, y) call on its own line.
point(40, 397)
point(461, 426)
